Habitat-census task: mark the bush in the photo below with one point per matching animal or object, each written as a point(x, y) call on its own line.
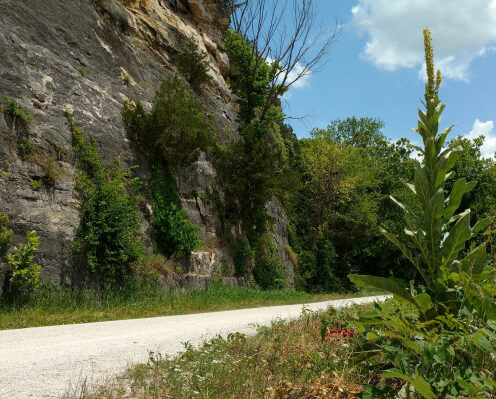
point(5, 233)
point(152, 266)
point(173, 233)
point(16, 113)
point(268, 271)
point(51, 167)
point(109, 236)
point(242, 254)
point(176, 128)
point(194, 64)
point(25, 272)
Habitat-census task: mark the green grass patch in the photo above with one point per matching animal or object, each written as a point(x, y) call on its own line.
point(62, 305)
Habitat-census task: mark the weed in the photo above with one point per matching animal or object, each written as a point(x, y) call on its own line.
point(152, 266)
point(5, 233)
point(51, 167)
point(5, 173)
point(126, 80)
point(15, 113)
point(286, 360)
point(81, 71)
point(27, 148)
point(25, 272)
point(36, 184)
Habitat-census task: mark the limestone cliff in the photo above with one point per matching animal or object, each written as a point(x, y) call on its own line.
point(88, 56)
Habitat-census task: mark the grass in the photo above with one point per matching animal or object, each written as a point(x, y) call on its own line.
point(61, 305)
point(288, 360)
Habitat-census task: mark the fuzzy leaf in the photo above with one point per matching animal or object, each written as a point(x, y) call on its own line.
point(455, 241)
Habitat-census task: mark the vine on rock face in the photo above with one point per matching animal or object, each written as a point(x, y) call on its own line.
point(109, 236)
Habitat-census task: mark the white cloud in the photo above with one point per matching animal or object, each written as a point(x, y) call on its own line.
point(461, 31)
point(485, 129)
point(303, 81)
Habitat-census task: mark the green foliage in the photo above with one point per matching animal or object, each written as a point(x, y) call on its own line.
point(176, 128)
point(442, 342)
point(5, 233)
point(438, 233)
point(81, 71)
point(268, 270)
point(252, 170)
point(194, 64)
point(450, 357)
point(53, 171)
point(14, 112)
point(173, 233)
point(252, 79)
point(36, 184)
point(347, 171)
point(242, 255)
point(25, 272)
point(109, 236)
point(27, 148)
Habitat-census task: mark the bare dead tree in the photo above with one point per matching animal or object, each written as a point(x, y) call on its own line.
point(283, 31)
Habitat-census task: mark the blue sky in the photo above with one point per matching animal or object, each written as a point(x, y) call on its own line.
point(373, 69)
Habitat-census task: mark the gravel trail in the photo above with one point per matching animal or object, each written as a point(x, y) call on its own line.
point(43, 362)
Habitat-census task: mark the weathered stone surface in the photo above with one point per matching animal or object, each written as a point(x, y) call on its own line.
point(45, 49)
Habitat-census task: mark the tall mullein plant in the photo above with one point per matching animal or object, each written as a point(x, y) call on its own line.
point(438, 233)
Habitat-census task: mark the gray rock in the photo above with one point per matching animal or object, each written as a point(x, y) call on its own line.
point(45, 48)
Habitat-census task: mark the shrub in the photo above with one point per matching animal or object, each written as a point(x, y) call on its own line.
point(53, 170)
point(176, 128)
point(16, 113)
point(109, 236)
point(268, 270)
point(5, 233)
point(242, 254)
point(36, 184)
point(152, 266)
point(25, 272)
point(173, 233)
point(194, 64)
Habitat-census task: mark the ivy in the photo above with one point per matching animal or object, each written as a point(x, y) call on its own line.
point(109, 236)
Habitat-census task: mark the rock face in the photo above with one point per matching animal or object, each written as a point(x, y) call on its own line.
point(87, 56)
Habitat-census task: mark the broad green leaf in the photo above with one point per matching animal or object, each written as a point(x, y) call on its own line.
point(455, 241)
point(424, 302)
point(422, 186)
point(406, 252)
point(454, 155)
point(442, 138)
point(408, 211)
point(382, 283)
point(423, 388)
point(475, 260)
point(480, 225)
point(454, 200)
